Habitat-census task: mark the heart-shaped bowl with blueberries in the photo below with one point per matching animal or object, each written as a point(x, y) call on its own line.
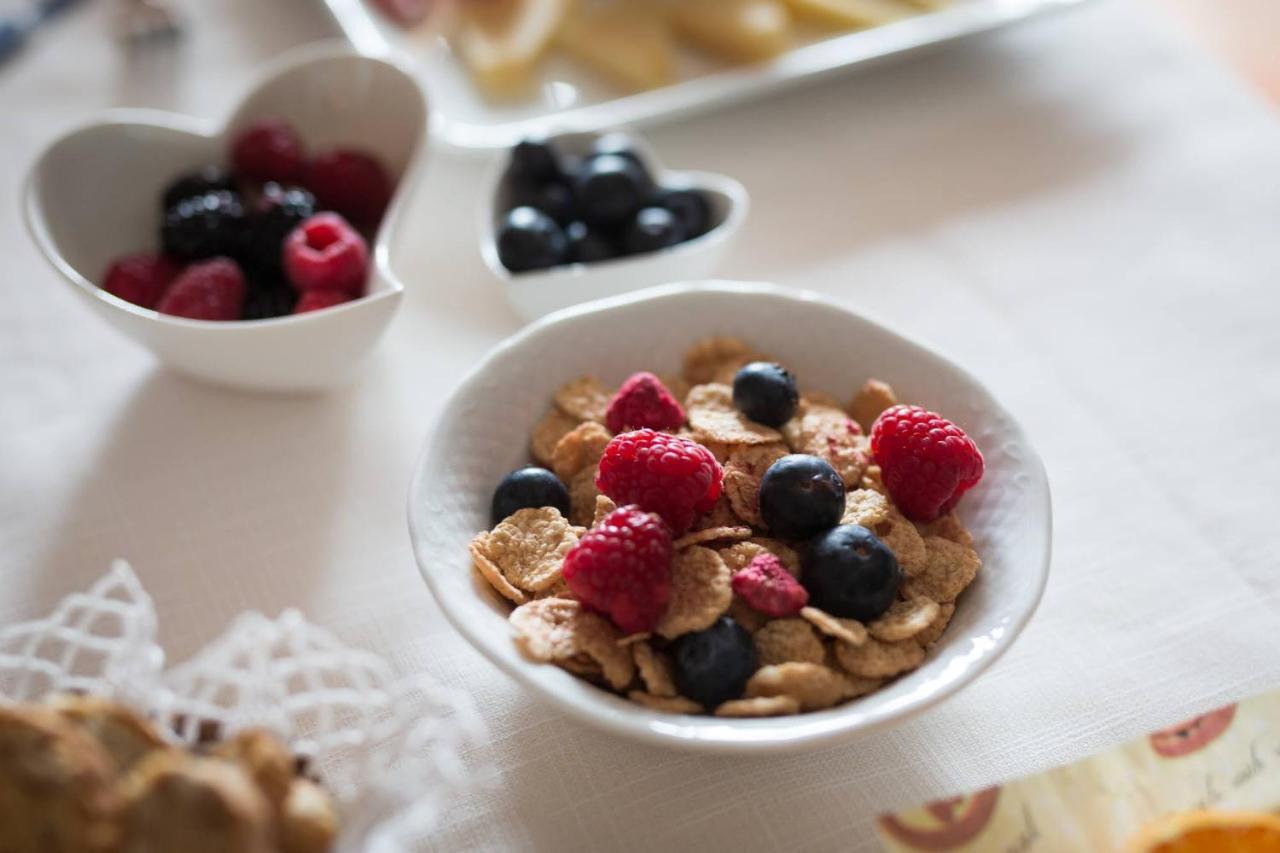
point(756, 520)
point(251, 253)
point(583, 216)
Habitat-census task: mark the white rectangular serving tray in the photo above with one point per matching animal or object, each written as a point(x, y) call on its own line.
point(569, 98)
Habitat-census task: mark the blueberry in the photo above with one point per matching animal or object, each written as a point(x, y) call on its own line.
point(766, 393)
point(610, 189)
point(712, 666)
point(849, 572)
point(619, 144)
point(528, 487)
point(528, 239)
point(554, 198)
point(652, 228)
point(690, 207)
point(204, 226)
point(801, 496)
point(278, 211)
point(206, 180)
point(534, 161)
point(587, 246)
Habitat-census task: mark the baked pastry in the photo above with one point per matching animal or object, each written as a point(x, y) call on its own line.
point(125, 735)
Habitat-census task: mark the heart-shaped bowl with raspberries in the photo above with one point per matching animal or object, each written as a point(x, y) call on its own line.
point(251, 253)
point(682, 224)
point(839, 545)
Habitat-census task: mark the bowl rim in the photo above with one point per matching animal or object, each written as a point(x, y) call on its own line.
point(37, 224)
point(737, 198)
point(706, 733)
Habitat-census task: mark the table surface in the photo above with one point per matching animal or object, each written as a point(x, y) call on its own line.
point(1082, 211)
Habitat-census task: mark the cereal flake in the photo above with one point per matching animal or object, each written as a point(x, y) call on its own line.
point(744, 468)
point(849, 631)
point(872, 399)
point(584, 398)
point(876, 659)
point(750, 619)
point(710, 359)
point(712, 534)
point(604, 506)
point(739, 556)
point(813, 685)
point(713, 417)
point(906, 543)
point(760, 706)
point(582, 497)
point(700, 592)
point(904, 619)
point(949, 568)
point(930, 635)
point(827, 432)
point(655, 670)
point(554, 426)
point(558, 630)
point(579, 449)
point(787, 640)
point(669, 704)
point(865, 507)
point(527, 548)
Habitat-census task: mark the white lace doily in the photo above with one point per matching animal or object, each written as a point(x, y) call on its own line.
point(390, 749)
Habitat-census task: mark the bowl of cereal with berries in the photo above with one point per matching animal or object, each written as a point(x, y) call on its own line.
point(254, 254)
point(730, 517)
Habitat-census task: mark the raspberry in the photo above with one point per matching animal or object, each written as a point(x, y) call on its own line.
point(768, 587)
point(325, 253)
point(672, 476)
point(643, 401)
point(211, 290)
point(141, 279)
point(622, 568)
point(268, 150)
point(350, 182)
point(314, 300)
point(925, 460)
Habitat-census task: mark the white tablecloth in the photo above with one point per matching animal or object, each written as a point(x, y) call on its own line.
point(1083, 211)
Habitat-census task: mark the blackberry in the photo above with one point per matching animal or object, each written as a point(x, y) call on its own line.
point(204, 226)
point(207, 180)
point(279, 210)
point(269, 299)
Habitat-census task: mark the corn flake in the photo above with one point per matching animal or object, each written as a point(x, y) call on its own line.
point(787, 640)
point(669, 704)
point(813, 685)
point(865, 507)
point(713, 417)
point(827, 432)
point(906, 543)
point(930, 635)
point(528, 547)
point(492, 574)
point(949, 568)
point(554, 426)
point(655, 670)
point(558, 630)
point(584, 398)
point(760, 706)
point(849, 631)
point(904, 619)
point(604, 506)
point(700, 592)
point(872, 399)
point(712, 534)
point(740, 555)
point(710, 359)
point(876, 659)
point(582, 497)
point(579, 449)
point(949, 527)
point(750, 619)
point(744, 468)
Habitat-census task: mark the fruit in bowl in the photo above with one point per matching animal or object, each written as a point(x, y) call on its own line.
point(722, 542)
point(557, 209)
point(277, 233)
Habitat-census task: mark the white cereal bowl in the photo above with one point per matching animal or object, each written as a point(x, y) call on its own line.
point(484, 432)
point(93, 195)
point(537, 293)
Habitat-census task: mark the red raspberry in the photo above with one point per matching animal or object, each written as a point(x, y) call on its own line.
point(325, 253)
point(141, 279)
point(643, 401)
point(768, 587)
point(622, 568)
point(268, 150)
point(314, 300)
point(209, 290)
point(925, 460)
point(672, 476)
point(350, 182)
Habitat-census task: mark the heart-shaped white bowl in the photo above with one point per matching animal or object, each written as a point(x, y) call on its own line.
point(484, 433)
point(539, 292)
point(93, 195)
